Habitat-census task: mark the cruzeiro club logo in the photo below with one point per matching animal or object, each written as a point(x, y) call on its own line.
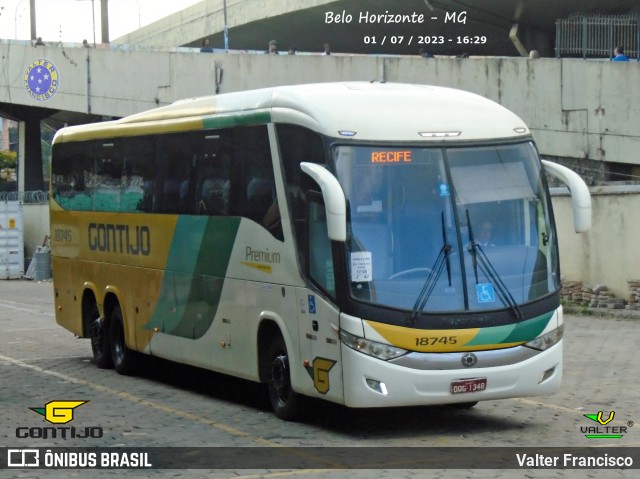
point(58, 412)
point(603, 430)
point(41, 79)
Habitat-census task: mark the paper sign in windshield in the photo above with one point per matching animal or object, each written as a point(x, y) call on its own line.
point(361, 269)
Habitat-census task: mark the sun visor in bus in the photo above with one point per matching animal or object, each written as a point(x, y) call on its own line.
point(491, 182)
point(334, 200)
point(580, 196)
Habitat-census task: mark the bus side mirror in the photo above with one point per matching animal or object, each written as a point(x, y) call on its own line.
point(334, 201)
point(580, 197)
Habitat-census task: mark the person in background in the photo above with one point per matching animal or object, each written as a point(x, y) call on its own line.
point(327, 49)
point(618, 55)
point(206, 46)
point(424, 53)
point(273, 48)
point(484, 234)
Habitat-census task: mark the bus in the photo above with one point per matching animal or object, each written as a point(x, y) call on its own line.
point(370, 244)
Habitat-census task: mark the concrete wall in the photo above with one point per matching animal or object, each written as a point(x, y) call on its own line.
point(575, 108)
point(608, 253)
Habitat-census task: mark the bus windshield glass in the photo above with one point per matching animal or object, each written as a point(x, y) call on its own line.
point(455, 229)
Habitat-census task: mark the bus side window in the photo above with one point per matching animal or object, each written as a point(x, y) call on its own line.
point(210, 181)
point(254, 195)
point(319, 245)
point(298, 144)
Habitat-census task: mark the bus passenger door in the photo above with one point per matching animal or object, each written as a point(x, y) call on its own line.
point(318, 317)
point(318, 320)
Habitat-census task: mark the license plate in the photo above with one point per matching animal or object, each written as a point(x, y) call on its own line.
point(468, 385)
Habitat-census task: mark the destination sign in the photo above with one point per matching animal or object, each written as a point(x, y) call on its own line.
point(397, 156)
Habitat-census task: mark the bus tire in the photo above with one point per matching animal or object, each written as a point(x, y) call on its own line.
point(123, 358)
point(286, 403)
point(99, 334)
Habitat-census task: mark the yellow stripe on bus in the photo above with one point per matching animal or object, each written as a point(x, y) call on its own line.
point(265, 268)
point(432, 340)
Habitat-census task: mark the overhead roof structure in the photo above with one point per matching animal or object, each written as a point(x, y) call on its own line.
point(447, 27)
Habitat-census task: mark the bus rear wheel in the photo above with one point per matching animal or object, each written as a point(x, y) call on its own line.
point(286, 403)
point(99, 334)
point(123, 358)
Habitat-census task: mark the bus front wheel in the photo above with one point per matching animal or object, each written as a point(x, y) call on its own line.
point(99, 334)
point(122, 357)
point(284, 400)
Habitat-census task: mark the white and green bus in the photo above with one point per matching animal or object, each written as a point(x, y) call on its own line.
point(370, 244)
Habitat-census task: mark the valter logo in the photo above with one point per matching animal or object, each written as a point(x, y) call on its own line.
point(602, 430)
point(57, 413)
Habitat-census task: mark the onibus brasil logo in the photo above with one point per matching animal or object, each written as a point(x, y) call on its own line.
point(59, 413)
point(602, 430)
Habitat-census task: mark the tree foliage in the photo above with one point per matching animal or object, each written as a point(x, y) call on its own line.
point(8, 159)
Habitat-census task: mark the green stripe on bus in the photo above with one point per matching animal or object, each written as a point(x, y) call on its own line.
point(225, 121)
point(192, 284)
point(512, 333)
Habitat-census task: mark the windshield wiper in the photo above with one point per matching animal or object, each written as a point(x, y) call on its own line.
point(432, 279)
point(479, 256)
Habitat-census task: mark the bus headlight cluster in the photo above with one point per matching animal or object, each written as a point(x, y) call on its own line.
point(547, 340)
point(371, 348)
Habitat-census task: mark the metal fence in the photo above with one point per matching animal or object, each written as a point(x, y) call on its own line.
point(26, 197)
point(595, 36)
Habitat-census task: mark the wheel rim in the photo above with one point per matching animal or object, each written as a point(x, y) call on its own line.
point(280, 383)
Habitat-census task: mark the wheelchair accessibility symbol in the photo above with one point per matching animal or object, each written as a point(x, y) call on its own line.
point(485, 293)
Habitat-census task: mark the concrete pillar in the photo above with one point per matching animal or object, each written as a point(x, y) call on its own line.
point(32, 16)
point(33, 178)
point(104, 20)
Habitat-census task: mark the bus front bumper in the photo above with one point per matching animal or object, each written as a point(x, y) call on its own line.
point(370, 382)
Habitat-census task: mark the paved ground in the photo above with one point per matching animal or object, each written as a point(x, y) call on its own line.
point(173, 406)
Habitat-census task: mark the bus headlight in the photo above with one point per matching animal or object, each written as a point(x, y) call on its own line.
point(545, 341)
point(371, 348)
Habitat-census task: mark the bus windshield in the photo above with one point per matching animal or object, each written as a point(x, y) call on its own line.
point(449, 229)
